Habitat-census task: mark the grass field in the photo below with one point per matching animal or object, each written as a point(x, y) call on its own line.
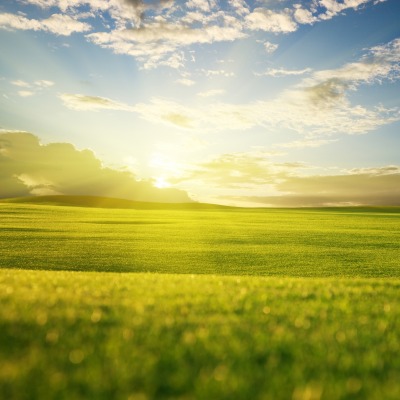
point(213, 303)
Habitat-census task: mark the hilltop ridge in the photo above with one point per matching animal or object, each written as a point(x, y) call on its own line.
point(109, 202)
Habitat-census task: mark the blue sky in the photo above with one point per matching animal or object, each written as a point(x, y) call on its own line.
point(263, 103)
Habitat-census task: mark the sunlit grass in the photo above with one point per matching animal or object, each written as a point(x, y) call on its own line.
point(237, 241)
point(222, 304)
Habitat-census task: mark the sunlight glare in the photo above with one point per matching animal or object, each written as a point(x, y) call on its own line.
point(161, 183)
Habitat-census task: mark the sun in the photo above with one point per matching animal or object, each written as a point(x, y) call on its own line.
point(162, 169)
point(161, 183)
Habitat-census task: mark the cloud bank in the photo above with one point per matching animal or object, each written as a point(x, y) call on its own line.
point(253, 179)
point(157, 33)
point(318, 105)
point(28, 168)
point(58, 24)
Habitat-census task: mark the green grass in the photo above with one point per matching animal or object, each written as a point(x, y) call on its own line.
point(86, 335)
point(213, 303)
point(282, 242)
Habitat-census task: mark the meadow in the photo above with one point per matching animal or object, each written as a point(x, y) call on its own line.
point(198, 302)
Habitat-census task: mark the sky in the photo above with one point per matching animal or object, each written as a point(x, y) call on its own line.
point(246, 103)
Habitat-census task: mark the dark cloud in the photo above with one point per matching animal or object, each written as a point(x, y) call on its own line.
point(137, 8)
point(327, 93)
point(29, 168)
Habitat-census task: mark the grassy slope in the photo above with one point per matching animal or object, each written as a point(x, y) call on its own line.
point(101, 335)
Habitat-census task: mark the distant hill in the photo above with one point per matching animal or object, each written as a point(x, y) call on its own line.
point(108, 202)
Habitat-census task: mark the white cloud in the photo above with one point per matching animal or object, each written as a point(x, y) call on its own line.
point(59, 24)
point(303, 16)
point(157, 42)
point(25, 93)
point(65, 5)
point(270, 21)
point(240, 7)
point(270, 47)
point(64, 25)
point(155, 33)
point(334, 7)
point(202, 5)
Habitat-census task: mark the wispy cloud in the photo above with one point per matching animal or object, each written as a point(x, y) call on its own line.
point(319, 105)
point(186, 82)
point(82, 102)
point(217, 72)
point(25, 93)
point(58, 24)
point(386, 170)
point(296, 110)
point(279, 72)
point(237, 170)
point(211, 93)
point(300, 144)
point(43, 83)
point(31, 88)
point(167, 112)
point(20, 83)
